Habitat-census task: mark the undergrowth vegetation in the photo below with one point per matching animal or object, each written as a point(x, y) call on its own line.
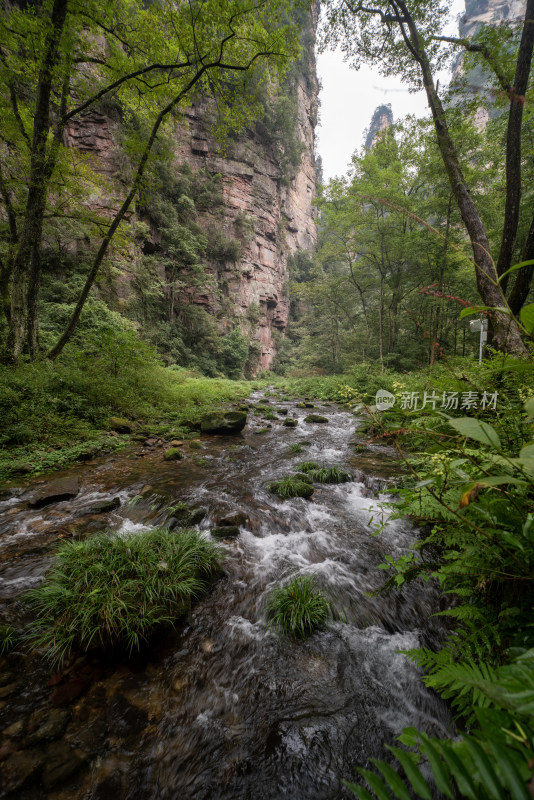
point(56, 412)
point(115, 591)
point(473, 491)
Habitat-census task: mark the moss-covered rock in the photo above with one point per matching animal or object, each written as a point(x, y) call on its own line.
point(224, 422)
point(290, 423)
point(225, 531)
point(120, 425)
point(173, 454)
point(315, 418)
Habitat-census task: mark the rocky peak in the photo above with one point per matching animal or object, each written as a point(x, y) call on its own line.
point(381, 120)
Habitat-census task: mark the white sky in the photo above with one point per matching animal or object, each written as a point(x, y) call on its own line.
point(349, 98)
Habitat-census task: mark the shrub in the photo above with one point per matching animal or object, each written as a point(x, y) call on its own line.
point(299, 608)
point(291, 486)
point(113, 590)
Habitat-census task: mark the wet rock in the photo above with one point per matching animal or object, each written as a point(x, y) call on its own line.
point(183, 517)
point(19, 769)
point(52, 728)
point(173, 454)
point(225, 532)
point(54, 492)
point(125, 718)
point(196, 444)
point(100, 507)
point(308, 405)
point(176, 443)
point(283, 411)
point(315, 418)
point(120, 425)
point(290, 423)
point(224, 422)
point(108, 789)
point(67, 693)
point(61, 763)
point(237, 518)
point(5, 691)
point(6, 677)
point(14, 730)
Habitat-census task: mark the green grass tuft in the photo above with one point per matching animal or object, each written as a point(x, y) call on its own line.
point(329, 475)
point(295, 448)
point(291, 486)
point(299, 608)
point(307, 466)
point(113, 590)
point(8, 639)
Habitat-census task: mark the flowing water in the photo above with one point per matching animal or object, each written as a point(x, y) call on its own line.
point(222, 708)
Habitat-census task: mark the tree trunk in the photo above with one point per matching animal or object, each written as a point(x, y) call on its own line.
point(440, 283)
point(513, 145)
point(506, 335)
point(29, 247)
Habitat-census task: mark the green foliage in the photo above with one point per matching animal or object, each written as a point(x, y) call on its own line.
point(55, 413)
point(113, 590)
point(493, 761)
point(299, 608)
point(291, 486)
point(478, 497)
point(8, 639)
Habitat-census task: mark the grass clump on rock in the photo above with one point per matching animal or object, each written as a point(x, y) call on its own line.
point(8, 639)
point(113, 590)
point(291, 486)
point(299, 608)
point(324, 474)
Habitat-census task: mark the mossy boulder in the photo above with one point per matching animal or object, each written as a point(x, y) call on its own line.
point(315, 418)
point(173, 454)
point(290, 423)
point(225, 531)
point(120, 425)
point(224, 422)
point(282, 412)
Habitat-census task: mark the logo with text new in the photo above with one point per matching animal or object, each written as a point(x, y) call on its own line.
point(384, 400)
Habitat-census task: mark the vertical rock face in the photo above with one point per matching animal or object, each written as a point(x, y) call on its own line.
point(477, 14)
point(275, 204)
point(380, 121)
point(280, 213)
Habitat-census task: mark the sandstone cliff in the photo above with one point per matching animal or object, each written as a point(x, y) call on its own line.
point(381, 120)
point(275, 202)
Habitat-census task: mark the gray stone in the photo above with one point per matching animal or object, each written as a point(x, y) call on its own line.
point(54, 492)
point(100, 507)
point(19, 769)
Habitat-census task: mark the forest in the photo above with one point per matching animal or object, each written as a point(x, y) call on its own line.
point(266, 438)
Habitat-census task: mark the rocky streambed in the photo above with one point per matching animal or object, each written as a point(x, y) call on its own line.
point(220, 708)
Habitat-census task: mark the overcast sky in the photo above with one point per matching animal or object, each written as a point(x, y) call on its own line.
point(348, 99)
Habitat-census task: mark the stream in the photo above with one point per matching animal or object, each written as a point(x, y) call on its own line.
point(221, 708)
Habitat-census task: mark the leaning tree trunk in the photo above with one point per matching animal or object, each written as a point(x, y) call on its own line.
point(506, 334)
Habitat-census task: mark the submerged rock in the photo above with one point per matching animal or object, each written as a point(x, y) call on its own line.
point(226, 422)
point(54, 492)
point(237, 518)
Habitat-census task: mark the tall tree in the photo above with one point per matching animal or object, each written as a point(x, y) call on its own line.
point(61, 58)
point(405, 37)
